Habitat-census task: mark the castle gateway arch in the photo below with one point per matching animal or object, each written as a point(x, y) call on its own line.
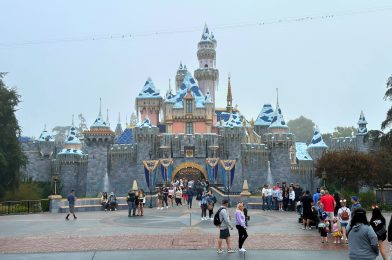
point(189, 170)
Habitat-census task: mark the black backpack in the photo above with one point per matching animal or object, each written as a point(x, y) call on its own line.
point(217, 221)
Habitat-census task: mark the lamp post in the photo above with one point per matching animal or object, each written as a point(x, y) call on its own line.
point(149, 178)
point(228, 181)
point(324, 176)
point(55, 180)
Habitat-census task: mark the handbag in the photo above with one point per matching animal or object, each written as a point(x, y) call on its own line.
point(381, 232)
point(210, 206)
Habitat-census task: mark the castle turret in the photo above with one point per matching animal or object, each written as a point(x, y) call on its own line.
point(317, 147)
point(149, 103)
point(118, 130)
point(207, 75)
point(182, 70)
point(98, 140)
point(264, 119)
point(46, 144)
point(72, 165)
point(362, 130)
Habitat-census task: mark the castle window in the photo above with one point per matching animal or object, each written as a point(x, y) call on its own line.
point(189, 128)
point(189, 106)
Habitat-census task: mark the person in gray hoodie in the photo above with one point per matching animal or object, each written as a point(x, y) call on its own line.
point(362, 240)
point(224, 232)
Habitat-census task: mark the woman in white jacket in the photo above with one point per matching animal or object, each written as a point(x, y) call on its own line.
point(291, 199)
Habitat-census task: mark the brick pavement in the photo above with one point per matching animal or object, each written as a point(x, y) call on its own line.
point(115, 231)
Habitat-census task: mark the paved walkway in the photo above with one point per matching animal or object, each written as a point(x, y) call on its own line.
point(102, 234)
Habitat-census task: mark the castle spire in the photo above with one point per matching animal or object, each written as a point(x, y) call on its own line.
point(229, 106)
point(107, 116)
point(277, 97)
point(119, 118)
point(72, 120)
point(100, 105)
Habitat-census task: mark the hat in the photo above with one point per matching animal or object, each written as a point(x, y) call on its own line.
point(225, 201)
point(354, 198)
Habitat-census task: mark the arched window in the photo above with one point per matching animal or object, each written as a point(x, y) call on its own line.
point(189, 128)
point(189, 107)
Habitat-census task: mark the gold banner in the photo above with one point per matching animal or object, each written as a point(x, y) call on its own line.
point(227, 164)
point(150, 165)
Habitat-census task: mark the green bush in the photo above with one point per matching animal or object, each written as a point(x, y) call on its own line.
point(367, 199)
point(29, 191)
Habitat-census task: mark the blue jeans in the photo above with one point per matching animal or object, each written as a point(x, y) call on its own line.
point(269, 202)
point(264, 203)
point(190, 198)
point(131, 208)
point(275, 202)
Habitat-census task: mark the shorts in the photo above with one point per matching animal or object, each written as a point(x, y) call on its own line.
point(72, 209)
point(224, 233)
point(342, 224)
point(330, 216)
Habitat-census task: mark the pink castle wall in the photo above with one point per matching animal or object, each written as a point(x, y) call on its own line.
point(152, 115)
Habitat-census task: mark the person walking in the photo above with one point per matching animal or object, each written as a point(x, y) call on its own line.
point(211, 200)
point(344, 215)
point(378, 223)
point(291, 199)
point(203, 206)
point(189, 192)
point(269, 197)
point(141, 198)
point(307, 213)
point(362, 240)
point(165, 192)
point(224, 226)
point(71, 202)
point(241, 226)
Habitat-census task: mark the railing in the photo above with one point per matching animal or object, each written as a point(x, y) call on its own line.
point(23, 206)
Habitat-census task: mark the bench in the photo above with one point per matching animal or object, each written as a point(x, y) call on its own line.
point(255, 205)
point(84, 208)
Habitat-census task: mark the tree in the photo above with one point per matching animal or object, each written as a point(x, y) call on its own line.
point(339, 131)
point(60, 133)
point(11, 156)
point(388, 96)
point(382, 170)
point(302, 128)
point(346, 169)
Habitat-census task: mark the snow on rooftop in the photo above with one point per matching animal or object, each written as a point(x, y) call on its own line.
point(317, 140)
point(277, 119)
point(207, 35)
point(71, 151)
point(362, 119)
point(72, 138)
point(146, 123)
point(302, 152)
point(189, 83)
point(100, 122)
point(45, 137)
point(233, 121)
point(265, 116)
point(149, 90)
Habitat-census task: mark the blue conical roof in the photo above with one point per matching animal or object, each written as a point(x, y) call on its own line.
point(265, 116)
point(189, 83)
point(149, 90)
point(317, 140)
point(277, 119)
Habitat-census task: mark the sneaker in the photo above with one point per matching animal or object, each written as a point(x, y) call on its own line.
point(303, 228)
point(219, 251)
point(167, 207)
point(75, 218)
point(309, 228)
point(242, 250)
point(231, 251)
point(202, 218)
point(66, 218)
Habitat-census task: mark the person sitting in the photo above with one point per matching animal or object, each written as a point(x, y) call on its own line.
point(104, 200)
point(112, 201)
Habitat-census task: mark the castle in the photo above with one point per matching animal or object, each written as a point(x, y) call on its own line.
point(184, 126)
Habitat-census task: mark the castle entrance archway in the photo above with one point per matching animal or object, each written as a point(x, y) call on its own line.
point(190, 171)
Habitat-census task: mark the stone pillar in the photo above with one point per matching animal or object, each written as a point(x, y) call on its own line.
point(245, 194)
point(55, 203)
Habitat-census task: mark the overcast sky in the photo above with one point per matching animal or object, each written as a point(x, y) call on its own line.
point(327, 69)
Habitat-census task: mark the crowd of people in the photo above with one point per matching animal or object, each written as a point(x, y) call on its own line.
point(281, 197)
point(345, 225)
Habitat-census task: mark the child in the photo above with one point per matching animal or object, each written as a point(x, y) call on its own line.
point(336, 231)
point(323, 227)
point(160, 200)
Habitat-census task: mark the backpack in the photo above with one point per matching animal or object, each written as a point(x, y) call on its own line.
point(345, 215)
point(323, 215)
point(217, 221)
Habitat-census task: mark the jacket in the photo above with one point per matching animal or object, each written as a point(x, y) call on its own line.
point(224, 218)
point(362, 242)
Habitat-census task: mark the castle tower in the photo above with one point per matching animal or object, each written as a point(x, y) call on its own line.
point(149, 103)
point(317, 147)
point(72, 165)
point(118, 130)
point(264, 119)
point(182, 70)
point(98, 140)
point(362, 130)
point(46, 144)
point(207, 75)
point(229, 99)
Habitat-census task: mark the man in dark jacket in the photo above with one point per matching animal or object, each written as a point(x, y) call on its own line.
point(131, 200)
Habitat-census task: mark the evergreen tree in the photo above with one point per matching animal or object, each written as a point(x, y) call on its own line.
point(302, 128)
point(11, 155)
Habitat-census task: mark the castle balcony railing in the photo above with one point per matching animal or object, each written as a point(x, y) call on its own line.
point(23, 206)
